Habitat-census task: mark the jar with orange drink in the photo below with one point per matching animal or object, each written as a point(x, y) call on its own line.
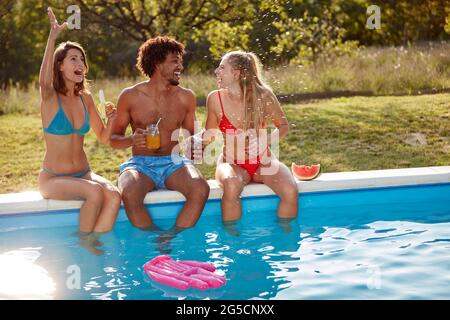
point(153, 138)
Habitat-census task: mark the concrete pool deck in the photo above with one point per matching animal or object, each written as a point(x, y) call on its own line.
point(32, 202)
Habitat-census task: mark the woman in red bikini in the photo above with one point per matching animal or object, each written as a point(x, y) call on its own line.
point(242, 106)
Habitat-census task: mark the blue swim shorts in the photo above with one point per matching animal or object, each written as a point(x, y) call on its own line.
point(157, 168)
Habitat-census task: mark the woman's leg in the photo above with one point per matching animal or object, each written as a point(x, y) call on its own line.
point(110, 205)
point(283, 184)
point(69, 188)
point(232, 178)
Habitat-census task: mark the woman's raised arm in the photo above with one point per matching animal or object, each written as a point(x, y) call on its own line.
point(46, 72)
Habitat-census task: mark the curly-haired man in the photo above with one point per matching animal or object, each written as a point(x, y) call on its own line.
point(160, 97)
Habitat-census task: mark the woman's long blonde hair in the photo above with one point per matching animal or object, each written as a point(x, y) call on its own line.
point(252, 86)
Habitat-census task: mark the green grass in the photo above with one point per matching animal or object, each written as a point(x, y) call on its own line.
point(343, 134)
point(380, 71)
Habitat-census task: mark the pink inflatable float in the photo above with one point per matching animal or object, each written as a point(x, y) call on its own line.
point(183, 274)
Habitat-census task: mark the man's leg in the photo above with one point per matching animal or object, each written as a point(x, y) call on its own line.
point(134, 186)
point(189, 181)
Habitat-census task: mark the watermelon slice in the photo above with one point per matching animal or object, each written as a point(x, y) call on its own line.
point(305, 173)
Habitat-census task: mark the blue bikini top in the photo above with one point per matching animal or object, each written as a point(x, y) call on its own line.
point(60, 125)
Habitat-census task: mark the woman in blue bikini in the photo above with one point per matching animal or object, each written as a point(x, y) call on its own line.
point(68, 111)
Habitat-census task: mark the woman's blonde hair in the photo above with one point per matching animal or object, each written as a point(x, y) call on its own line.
point(252, 86)
point(58, 57)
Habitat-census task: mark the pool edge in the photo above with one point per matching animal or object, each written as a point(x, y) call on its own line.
point(32, 202)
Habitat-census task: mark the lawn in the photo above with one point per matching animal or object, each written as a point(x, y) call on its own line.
point(343, 134)
point(373, 71)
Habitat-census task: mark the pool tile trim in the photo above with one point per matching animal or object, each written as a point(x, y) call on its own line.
point(32, 201)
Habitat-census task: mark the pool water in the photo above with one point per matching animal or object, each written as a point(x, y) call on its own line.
point(342, 252)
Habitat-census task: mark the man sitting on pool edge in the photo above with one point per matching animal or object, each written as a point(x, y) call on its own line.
point(158, 100)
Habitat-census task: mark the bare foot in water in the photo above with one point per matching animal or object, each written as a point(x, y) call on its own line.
point(152, 228)
point(231, 227)
point(89, 240)
point(164, 239)
point(285, 224)
point(163, 245)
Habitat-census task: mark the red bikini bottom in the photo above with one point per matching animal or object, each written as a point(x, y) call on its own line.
point(250, 167)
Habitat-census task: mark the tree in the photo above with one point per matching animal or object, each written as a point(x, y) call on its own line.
point(6, 7)
point(140, 20)
point(22, 36)
point(279, 31)
point(303, 38)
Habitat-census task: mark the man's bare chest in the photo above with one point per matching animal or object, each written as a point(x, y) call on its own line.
point(171, 113)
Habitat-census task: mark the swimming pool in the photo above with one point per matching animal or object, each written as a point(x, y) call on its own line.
point(367, 243)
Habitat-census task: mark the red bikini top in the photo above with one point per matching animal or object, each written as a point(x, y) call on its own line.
point(224, 123)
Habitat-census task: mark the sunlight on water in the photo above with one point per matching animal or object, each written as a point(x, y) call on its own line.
point(260, 258)
point(22, 278)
